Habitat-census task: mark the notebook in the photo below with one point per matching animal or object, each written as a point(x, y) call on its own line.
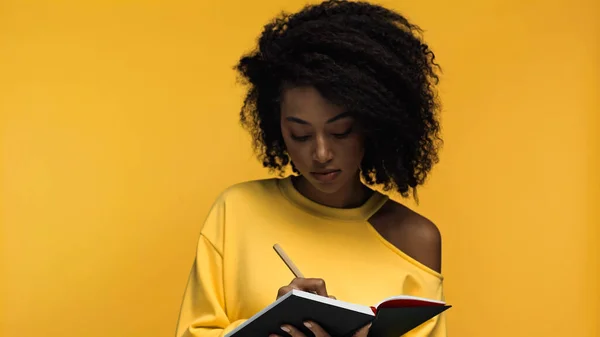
point(392, 317)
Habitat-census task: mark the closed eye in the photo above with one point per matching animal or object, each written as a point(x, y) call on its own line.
point(343, 134)
point(300, 138)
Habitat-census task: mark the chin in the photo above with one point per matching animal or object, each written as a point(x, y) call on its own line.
point(326, 188)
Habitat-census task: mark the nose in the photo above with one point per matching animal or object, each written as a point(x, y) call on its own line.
point(322, 152)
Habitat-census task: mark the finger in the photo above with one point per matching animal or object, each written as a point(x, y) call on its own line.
point(316, 329)
point(332, 297)
point(317, 285)
point(311, 284)
point(284, 290)
point(293, 331)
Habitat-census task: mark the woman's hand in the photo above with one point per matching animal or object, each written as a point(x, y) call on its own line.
point(318, 331)
point(314, 285)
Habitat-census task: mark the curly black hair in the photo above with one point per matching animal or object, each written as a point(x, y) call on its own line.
point(369, 60)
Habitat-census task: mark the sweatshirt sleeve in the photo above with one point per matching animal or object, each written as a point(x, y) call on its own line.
point(203, 312)
point(435, 327)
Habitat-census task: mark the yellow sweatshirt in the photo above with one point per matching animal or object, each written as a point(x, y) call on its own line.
point(236, 272)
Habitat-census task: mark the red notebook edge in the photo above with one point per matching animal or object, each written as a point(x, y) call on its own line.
point(406, 303)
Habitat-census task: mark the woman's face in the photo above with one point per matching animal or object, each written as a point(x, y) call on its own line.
point(323, 141)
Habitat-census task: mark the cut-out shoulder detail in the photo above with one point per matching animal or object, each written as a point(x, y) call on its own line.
point(410, 232)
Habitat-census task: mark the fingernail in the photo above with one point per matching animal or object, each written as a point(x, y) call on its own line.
point(308, 325)
point(285, 328)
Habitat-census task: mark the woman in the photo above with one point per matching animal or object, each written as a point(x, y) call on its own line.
point(343, 93)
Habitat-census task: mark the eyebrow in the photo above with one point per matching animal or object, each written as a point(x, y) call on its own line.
point(331, 120)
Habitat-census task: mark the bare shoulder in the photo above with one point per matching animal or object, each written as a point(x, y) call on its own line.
point(410, 232)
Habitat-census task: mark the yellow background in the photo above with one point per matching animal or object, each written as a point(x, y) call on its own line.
point(119, 127)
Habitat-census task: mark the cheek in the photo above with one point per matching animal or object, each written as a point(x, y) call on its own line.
point(297, 151)
point(355, 144)
point(355, 151)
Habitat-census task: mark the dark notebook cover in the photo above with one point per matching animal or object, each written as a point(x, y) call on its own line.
point(395, 322)
point(336, 317)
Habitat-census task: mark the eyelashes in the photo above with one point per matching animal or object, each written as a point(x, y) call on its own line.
point(299, 138)
point(343, 134)
point(336, 135)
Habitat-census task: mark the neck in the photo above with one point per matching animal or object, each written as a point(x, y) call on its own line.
point(352, 195)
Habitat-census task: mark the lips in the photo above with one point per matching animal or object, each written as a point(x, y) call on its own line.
point(326, 176)
point(325, 171)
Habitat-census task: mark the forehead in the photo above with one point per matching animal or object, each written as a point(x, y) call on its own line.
point(307, 103)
